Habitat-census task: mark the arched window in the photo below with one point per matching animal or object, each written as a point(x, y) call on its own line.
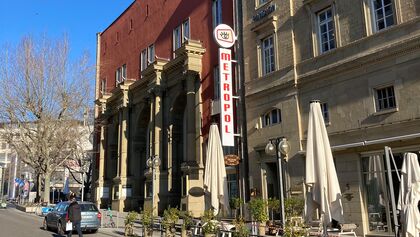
point(272, 117)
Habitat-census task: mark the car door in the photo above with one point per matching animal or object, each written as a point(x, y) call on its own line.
point(54, 215)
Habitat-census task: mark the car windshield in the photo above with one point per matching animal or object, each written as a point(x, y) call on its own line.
point(88, 207)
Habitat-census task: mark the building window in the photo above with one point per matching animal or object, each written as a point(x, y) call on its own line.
point(118, 75)
point(383, 14)
point(326, 30)
point(121, 74)
point(103, 86)
point(181, 34)
point(385, 98)
point(261, 2)
point(376, 184)
point(271, 118)
point(216, 78)
point(177, 38)
point(217, 12)
point(143, 60)
point(151, 54)
point(268, 56)
point(325, 112)
point(186, 30)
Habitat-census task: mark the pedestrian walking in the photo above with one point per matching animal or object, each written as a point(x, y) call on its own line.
point(74, 215)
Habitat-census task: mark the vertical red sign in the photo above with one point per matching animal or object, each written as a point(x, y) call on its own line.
point(226, 114)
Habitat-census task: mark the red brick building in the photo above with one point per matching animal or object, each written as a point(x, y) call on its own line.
point(155, 85)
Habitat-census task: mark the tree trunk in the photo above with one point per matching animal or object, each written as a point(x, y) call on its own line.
point(38, 187)
point(47, 187)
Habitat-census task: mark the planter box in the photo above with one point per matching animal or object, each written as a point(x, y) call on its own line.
point(30, 209)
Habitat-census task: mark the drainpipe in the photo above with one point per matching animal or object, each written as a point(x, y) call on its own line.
point(241, 92)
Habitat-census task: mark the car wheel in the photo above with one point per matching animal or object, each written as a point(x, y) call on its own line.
point(60, 230)
point(45, 224)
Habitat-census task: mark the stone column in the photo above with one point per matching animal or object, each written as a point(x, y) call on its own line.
point(102, 150)
point(192, 169)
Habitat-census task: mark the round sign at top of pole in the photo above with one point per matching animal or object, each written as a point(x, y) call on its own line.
point(224, 36)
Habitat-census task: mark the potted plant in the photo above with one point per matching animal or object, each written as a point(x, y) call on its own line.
point(235, 204)
point(186, 222)
point(210, 225)
point(147, 221)
point(241, 230)
point(129, 223)
point(273, 206)
point(294, 226)
point(258, 210)
point(170, 219)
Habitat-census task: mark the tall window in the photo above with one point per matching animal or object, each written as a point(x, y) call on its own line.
point(383, 14)
point(118, 74)
point(177, 37)
point(376, 187)
point(186, 30)
point(271, 118)
point(181, 34)
point(216, 83)
point(268, 56)
point(325, 112)
point(326, 30)
point(121, 74)
point(143, 60)
point(151, 54)
point(385, 98)
point(103, 86)
point(217, 12)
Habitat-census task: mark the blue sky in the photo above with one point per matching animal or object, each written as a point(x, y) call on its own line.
point(79, 19)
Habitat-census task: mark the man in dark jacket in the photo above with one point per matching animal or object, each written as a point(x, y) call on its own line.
point(74, 215)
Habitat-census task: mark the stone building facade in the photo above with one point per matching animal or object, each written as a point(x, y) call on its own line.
point(361, 59)
point(154, 93)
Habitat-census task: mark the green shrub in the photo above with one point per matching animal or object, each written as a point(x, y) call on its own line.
point(258, 209)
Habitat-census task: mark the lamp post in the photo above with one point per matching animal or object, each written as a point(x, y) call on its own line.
point(278, 146)
point(153, 162)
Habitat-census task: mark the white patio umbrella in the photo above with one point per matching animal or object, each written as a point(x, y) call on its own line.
point(215, 180)
point(409, 196)
point(323, 191)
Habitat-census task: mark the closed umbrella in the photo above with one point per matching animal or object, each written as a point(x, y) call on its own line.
point(409, 196)
point(215, 180)
point(323, 191)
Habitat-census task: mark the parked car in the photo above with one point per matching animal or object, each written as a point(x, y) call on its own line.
point(46, 210)
point(57, 218)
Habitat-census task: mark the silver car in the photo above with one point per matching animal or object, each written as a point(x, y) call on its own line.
point(56, 219)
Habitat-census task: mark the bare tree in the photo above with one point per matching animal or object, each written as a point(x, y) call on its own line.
point(42, 99)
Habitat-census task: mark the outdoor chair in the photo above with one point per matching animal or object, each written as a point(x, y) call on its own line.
point(197, 228)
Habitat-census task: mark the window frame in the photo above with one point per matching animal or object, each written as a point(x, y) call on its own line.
point(374, 16)
point(325, 112)
point(150, 56)
point(216, 10)
point(271, 60)
point(180, 34)
point(103, 86)
point(378, 100)
point(326, 22)
point(270, 122)
point(143, 60)
point(260, 3)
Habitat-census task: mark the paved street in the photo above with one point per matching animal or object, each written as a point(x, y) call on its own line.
point(14, 223)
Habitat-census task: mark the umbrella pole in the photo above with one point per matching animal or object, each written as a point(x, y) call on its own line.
point(391, 189)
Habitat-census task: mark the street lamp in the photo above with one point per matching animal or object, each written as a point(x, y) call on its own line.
point(153, 163)
point(278, 146)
